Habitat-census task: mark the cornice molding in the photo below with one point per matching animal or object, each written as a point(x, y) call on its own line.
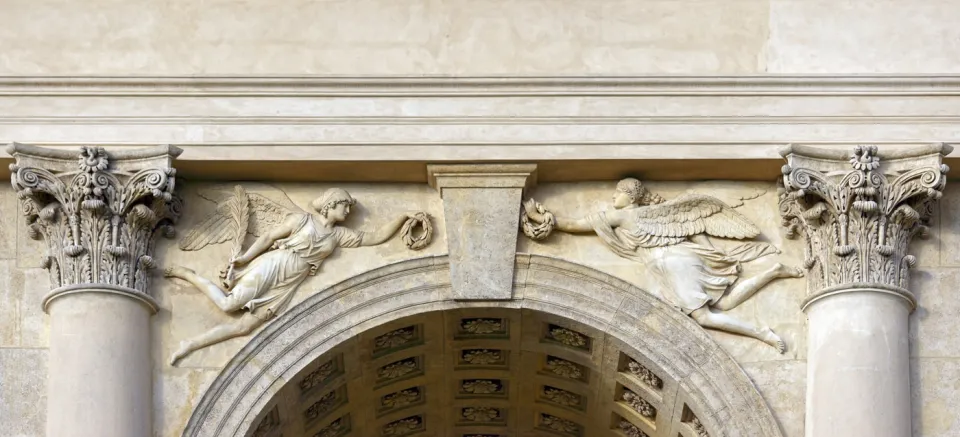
point(481, 86)
point(446, 151)
point(479, 120)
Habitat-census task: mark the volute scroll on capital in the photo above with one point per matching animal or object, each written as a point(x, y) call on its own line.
point(98, 212)
point(858, 214)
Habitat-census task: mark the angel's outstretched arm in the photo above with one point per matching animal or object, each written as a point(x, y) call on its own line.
point(573, 225)
point(384, 233)
point(266, 240)
point(567, 224)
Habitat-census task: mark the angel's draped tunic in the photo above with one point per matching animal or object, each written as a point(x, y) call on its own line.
point(267, 284)
point(691, 275)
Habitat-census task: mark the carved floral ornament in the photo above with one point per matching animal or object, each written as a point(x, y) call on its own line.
point(858, 216)
point(99, 216)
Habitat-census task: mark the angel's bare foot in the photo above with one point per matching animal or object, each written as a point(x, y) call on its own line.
point(176, 272)
point(774, 340)
point(185, 348)
point(784, 271)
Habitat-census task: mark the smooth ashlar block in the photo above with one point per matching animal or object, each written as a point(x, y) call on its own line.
point(482, 225)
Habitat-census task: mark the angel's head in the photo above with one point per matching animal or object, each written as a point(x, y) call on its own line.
point(334, 204)
point(631, 191)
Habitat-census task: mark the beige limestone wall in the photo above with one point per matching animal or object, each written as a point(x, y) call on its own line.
point(23, 331)
point(935, 346)
point(476, 37)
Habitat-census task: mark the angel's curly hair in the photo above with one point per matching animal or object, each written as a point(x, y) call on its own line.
point(640, 194)
point(330, 199)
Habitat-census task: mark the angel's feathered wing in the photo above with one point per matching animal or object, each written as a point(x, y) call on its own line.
point(268, 207)
point(673, 221)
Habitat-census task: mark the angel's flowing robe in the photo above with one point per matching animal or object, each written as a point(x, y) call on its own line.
point(690, 275)
point(267, 284)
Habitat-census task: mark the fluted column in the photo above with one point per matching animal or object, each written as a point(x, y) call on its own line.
point(99, 214)
point(857, 214)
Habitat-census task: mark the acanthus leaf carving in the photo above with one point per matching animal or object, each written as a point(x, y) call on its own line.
point(395, 338)
point(561, 397)
point(322, 406)
point(568, 337)
point(401, 398)
point(481, 414)
point(481, 326)
point(481, 386)
point(100, 220)
point(482, 357)
point(699, 428)
point(318, 376)
point(563, 368)
point(857, 223)
point(403, 426)
point(639, 404)
point(644, 374)
point(398, 369)
point(631, 430)
point(554, 423)
point(333, 429)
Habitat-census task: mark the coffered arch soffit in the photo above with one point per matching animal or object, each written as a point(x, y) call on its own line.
point(697, 375)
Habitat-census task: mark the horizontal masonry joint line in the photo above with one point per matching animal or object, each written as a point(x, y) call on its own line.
point(476, 120)
point(439, 86)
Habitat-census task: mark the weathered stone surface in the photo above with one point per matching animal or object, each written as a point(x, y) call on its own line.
point(175, 393)
point(11, 303)
point(829, 37)
point(34, 323)
point(481, 225)
point(9, 211)
point(781, 384)
point(934, 384)
point(23, 382)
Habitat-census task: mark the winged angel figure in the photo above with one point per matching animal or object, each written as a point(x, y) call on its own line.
point(290, 246)
point(670, 237)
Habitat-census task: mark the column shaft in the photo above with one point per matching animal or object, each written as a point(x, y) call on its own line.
point(858, 213)
point(99, 214)
point(858, 366)
point(100, 367)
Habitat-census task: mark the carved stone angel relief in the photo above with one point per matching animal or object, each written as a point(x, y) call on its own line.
point(290, 246)
point(670, 237)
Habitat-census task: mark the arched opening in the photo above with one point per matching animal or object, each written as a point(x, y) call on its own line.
point(576, 353)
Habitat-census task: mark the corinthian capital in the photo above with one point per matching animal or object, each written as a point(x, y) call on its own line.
point(858, 213)
point(97, 212)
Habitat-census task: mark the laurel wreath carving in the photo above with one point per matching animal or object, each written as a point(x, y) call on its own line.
point(537, 231)
point(416, 240)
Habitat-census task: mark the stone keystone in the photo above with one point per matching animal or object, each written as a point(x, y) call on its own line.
point(481, 204)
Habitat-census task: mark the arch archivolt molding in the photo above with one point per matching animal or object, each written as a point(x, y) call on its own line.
point(624, 323)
